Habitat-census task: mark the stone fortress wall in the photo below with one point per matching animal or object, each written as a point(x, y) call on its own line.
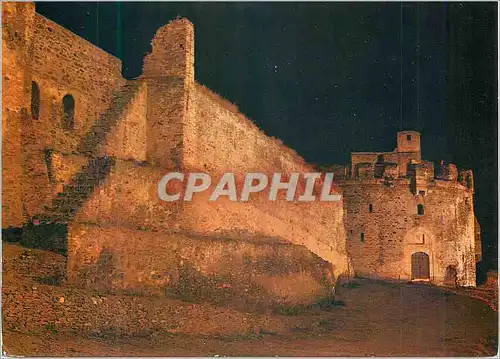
point(398, 204)
point(84, 150)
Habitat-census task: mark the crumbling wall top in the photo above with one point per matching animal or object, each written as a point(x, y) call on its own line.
point(172, 51)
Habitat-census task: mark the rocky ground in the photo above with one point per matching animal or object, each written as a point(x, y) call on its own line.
point(44, 317)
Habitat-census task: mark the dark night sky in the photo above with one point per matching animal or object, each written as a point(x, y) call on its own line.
point(331, 78)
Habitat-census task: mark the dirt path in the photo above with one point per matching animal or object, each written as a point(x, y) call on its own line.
point(377, 318)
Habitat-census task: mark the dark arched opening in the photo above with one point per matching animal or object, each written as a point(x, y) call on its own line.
point(35, 100)
point(68, 117)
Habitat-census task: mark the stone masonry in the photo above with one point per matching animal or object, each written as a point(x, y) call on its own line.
point(84, 150)
point(410, 219)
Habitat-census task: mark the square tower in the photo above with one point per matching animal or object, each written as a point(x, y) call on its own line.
point(408, 141)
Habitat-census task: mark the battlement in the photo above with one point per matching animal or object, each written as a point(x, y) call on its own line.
point(404, 162)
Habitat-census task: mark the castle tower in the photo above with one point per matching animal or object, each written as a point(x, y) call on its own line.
point(408, 141)
point(169, 73)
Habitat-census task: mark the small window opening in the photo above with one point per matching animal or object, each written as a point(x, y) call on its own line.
point(420, 209)
point(408, 137)
point(370, 208)
point(423, 238)
point(68, 118)
point(362, 237)
point(35, 100)
point(48, 163)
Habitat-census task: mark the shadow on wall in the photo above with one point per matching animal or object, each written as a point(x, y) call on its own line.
point(481, 272)
point(48, 229)
point(97, 135)
point(249, 284)
point(102, 274)
point(47, 236)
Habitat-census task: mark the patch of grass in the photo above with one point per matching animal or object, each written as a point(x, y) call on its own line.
point(51, 328)
point(328, 303)
point(49, 280)
point(329, 325)
point(17, 330)
point(265, 331)
point(291, 310)
point(324, 322)
point(12, 234)
point(492, 342)
point(351, 285)
point(294, 310)
point(244, 336)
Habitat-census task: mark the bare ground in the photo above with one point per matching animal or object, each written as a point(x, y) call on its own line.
point(377, 318)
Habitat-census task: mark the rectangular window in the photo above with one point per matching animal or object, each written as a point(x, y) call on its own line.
point(370, 208)
point(408, 137)
point(362, 237)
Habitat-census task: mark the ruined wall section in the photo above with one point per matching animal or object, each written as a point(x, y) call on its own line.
point(169, 73)
point(192, 268)
point(382, 237)
point(128, 198)
point(127, 122)
point(219, 139)
point(83, 71)
point(59, 63)
point(17, 28)
point(361, 161)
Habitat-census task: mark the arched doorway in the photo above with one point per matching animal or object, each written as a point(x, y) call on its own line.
point(420, 266)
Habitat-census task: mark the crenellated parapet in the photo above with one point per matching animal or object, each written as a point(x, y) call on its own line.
point(447, 171)
point(405, 162)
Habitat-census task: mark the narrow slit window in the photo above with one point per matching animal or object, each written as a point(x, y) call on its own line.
point(370, 208)
point(68, 117)
point(48, 163)
point(35, 100)
point(362, 237)
point(420, 209)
